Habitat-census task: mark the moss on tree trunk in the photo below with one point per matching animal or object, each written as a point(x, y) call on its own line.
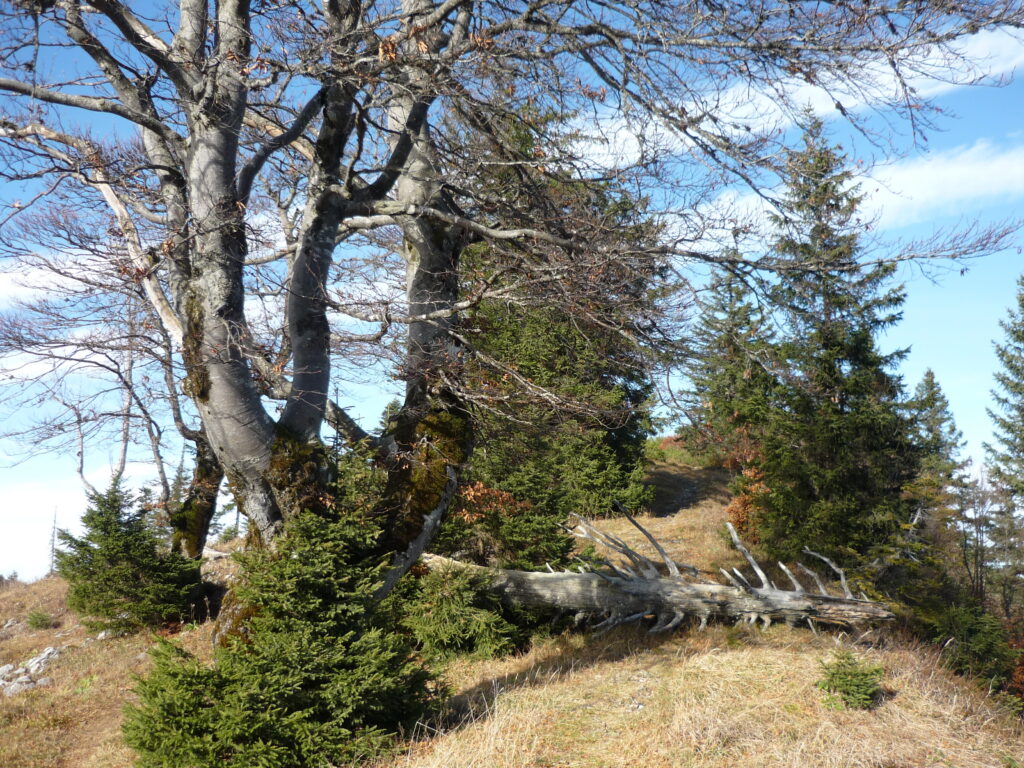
point(191, 520)
point(418, 477)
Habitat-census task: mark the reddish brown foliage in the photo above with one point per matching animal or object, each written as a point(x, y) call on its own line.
point(477, 501)
point(741, 508)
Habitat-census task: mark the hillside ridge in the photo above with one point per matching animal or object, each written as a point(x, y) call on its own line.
point(723, 697)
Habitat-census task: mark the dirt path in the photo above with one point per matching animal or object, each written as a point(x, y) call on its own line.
point(687, 517)
point(678, 486)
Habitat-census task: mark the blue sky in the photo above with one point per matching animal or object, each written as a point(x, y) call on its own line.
point(972, 169)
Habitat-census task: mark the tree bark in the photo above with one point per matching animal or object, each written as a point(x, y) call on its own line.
point(433, 430)
point(191, 521)
point(646, 589)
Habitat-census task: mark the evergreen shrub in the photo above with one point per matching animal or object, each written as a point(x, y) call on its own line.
point(40, 620)
point(976, 643)
point(120, 575)
point(453, 615)
point(487, 526)
point(850, 683)
point(533, 466)
point(322, 676)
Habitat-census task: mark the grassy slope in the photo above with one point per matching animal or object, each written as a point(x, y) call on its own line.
point(76, 722)
point(725, 697)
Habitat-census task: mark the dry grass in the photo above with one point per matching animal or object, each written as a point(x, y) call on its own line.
point(687, 517)
point(730, 696)
point(76, 721)
point(695, 536)
point(725, 697)
point(17, 601)
point(678, 484)
point(722, 698)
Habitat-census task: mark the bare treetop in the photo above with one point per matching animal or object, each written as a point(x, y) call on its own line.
point(287, 185)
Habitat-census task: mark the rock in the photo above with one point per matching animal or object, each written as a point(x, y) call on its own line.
point(14, 681)
point(10, 623)
point(18, 686)
point(104, 634)
point(39, 663)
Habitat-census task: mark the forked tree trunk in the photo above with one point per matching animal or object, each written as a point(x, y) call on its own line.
point(432, 433)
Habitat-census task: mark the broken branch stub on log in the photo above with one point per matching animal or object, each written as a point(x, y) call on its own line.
point(671, 591)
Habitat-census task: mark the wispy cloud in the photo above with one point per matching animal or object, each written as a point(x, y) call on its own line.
point(942, 191)
point(958, 181)
point(14, 288)
point(990, 57)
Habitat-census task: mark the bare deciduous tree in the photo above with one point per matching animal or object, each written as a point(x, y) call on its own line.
point(253, 155)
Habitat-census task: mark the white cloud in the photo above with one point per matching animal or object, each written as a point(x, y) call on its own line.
point(13, 288)
point(39, 490)
point(988, 57)
point(30, 279)
point(936, 188)
point(944, 183)
point(997, 54)
point(27, 515)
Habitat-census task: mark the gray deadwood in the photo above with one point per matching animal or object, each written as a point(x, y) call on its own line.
point(670, 592)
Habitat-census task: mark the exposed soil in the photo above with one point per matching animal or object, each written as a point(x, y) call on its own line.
point(678, 486)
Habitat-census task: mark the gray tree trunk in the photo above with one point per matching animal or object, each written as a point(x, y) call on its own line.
point(646, 589)
point(432, 432)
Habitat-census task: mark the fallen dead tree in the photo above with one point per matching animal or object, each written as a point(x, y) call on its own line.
point(669, 592)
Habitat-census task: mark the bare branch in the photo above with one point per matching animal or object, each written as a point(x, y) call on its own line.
point(839, 571)
point(91, 103)
point(623, 597)
point(749, 557)
point(249, 171)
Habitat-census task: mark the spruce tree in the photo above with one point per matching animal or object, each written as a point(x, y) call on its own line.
point(972, 525)
point(941, 477)
point(551, 464)
point(1006, 558)
point(119, 574)
point(1005, 462)
point(919, 569)
point(1005, 455)
point(313, 672)
point(731, 375)
point(836, 451)
point(562, 415)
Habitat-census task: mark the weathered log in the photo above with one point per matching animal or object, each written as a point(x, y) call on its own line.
point(630, 593)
